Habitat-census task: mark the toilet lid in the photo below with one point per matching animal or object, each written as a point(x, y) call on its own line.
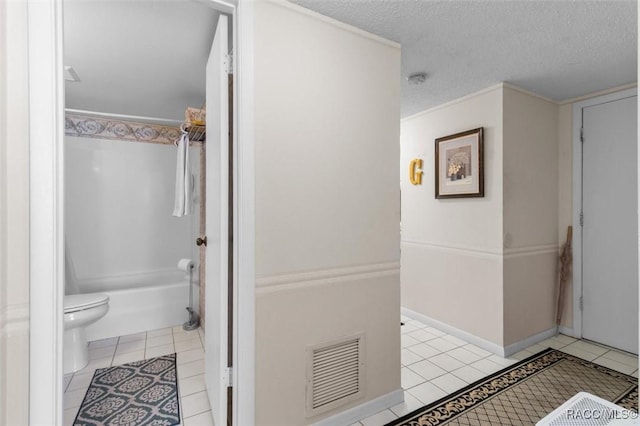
point(79, 302)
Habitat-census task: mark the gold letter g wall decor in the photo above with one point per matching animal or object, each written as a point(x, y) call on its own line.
point(415, 171)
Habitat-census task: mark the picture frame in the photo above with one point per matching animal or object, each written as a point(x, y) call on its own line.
point(459, 167)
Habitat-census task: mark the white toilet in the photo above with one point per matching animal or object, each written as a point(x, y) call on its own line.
point(80, 310)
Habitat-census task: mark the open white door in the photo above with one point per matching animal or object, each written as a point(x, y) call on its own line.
point(217, 217)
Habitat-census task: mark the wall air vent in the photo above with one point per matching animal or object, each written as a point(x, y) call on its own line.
point(335, 373)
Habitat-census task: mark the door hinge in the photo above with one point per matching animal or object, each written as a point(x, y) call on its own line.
point(227, 378)
point(228, 62)
point(582, 134)
point(581, 219)
point(581, 303)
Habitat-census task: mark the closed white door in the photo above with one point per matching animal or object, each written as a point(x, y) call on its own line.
point(610, 230)
point(217, 222)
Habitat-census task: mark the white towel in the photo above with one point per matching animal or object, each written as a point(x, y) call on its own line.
point(182, 204)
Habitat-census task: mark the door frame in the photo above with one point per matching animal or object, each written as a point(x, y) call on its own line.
point(577, 196)
point(46, 210)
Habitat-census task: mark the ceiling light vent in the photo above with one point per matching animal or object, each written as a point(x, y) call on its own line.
point(417, 78)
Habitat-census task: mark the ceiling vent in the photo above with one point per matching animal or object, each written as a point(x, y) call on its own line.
point(335, 373)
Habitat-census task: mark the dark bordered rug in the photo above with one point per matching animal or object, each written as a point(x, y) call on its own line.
point(526, 392)
point(141, 393)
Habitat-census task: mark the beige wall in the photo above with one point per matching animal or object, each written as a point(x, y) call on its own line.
point(530, 214)
point(14, 215)
point(486, 266)
point(327, 105)
point(452, 249)
point(565, 194)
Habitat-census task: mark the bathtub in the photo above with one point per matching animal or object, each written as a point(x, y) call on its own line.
point(143, 307)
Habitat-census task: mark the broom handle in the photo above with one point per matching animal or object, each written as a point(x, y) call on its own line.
point(564, 274)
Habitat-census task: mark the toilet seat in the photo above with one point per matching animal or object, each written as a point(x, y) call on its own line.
point(80, 302)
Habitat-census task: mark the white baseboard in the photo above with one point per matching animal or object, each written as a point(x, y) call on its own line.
point(362, 411)
point(569, 332)
point(531, 340)
point(483, 343)
point(456, 332)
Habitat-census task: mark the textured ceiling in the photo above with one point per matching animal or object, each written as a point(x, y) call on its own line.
point(558, 49)
point(144, 58)
point(147, 57)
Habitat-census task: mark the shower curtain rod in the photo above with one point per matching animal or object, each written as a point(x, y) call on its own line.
point(154, 120)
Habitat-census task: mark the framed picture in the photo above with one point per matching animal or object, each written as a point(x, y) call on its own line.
point(459, 165)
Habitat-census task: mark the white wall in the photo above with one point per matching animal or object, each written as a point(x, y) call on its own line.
point(452, 249)
point(118, 211)
point(327, 107)
point(14, 215)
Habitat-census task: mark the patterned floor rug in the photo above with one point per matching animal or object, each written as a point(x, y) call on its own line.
point(526, 392)
point(141, 393)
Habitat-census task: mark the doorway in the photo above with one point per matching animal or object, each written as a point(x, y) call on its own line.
point(608, 255)
point(47, 222)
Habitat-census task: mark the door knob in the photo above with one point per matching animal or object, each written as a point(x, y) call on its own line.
point(200, 241)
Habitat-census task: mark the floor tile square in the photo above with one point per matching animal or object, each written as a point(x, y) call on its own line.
point(427, 369)
point(135, 345)
point(407, 328)
point(202, 419)
point(477, 350)
point(435, 331)
point(159, 351)
point(191, 385)
point(628, 359)
point(101, 352)
point(194, 404)
point(409, 357)
point(615, 365)
point(73, 399)
point(449, 383)
point(80, 381)
point(186, 345)
point(427, 393)
point(103, 343)
point(159, 341)
point(576, 351)
point(422, 335)
point(486, 366)
point(464, 355)
point(424, 350)
point(159, 332)
point(190, 369)
point(454, 340)
point(380, 418)
point(410, 403)
point(190, 355)
point(441, 344)
point(446, 362)
point(408, 341)
point(468, 374)
point(588, 347)
point(132, 337)
point(128, 357)
point(409, 378)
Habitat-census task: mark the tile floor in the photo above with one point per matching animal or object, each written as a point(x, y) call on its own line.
point(434, 364)
point(189, 346)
